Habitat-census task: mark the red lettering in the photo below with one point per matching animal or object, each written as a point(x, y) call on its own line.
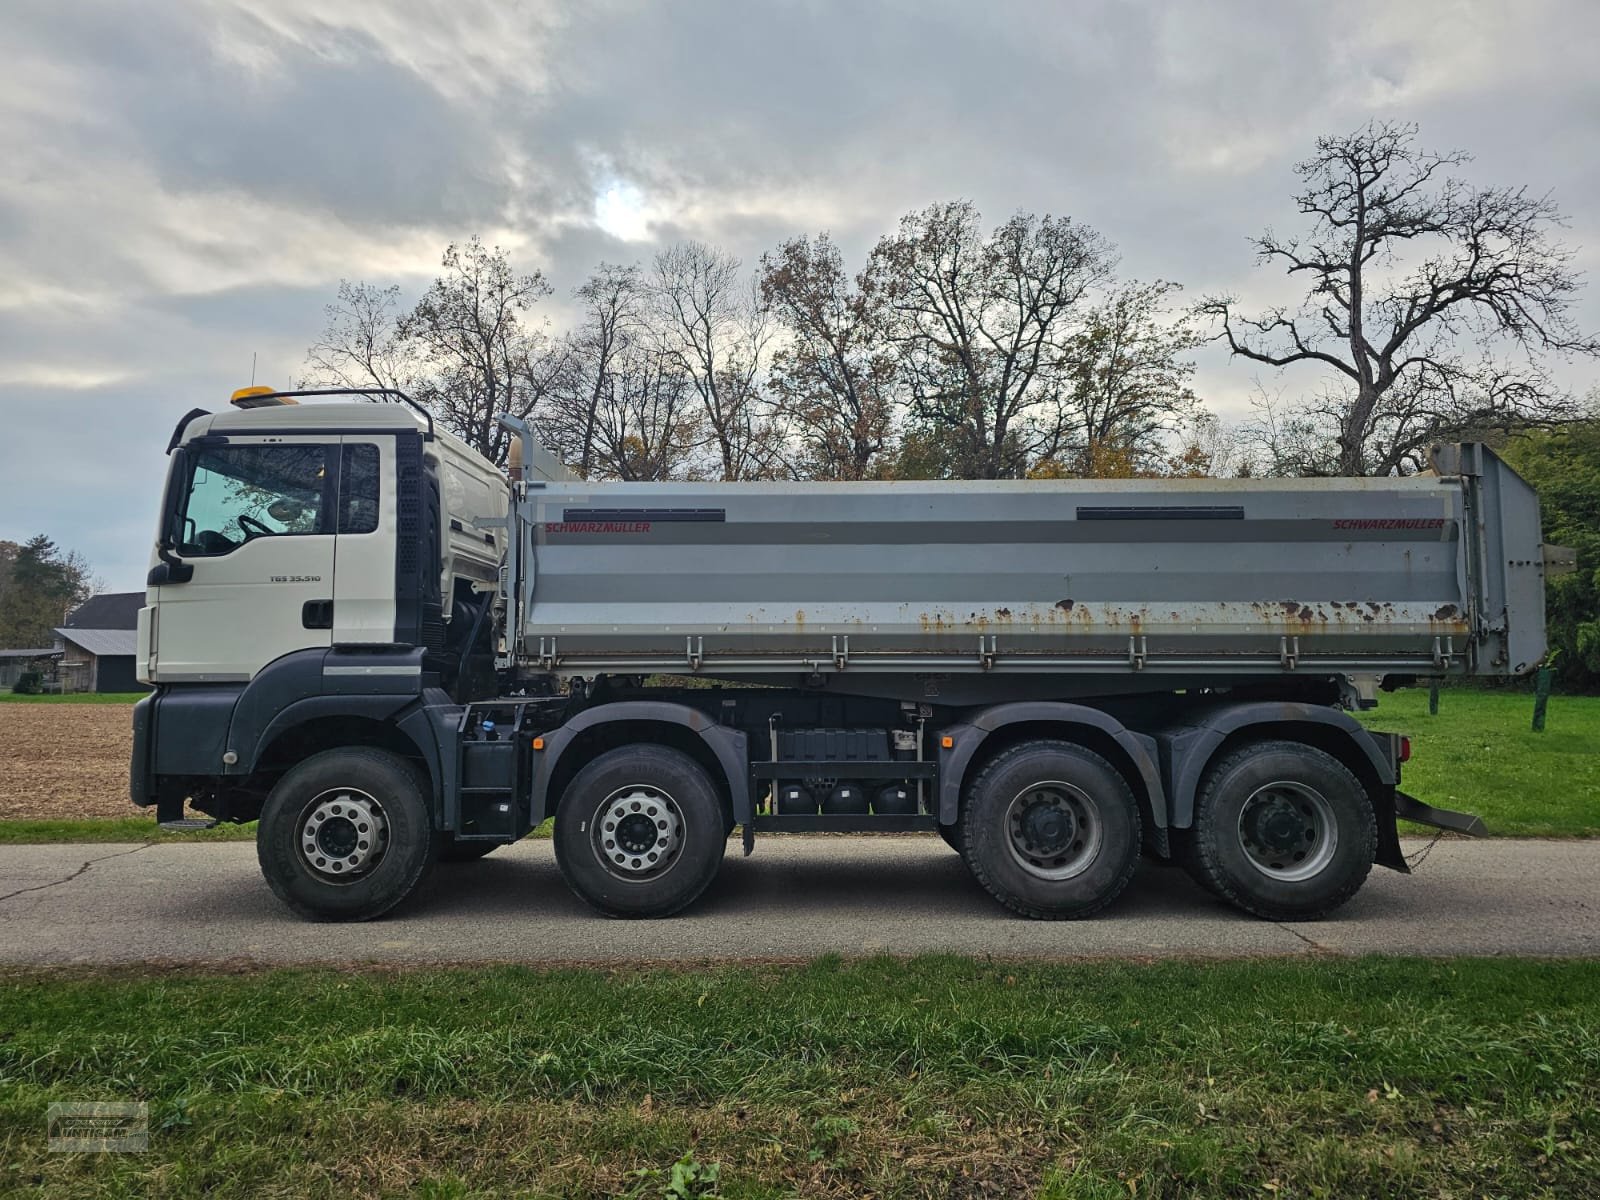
point(597, 527)
point(1389, 523)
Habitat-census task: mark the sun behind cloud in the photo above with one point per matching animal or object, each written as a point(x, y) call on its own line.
point(621, 211)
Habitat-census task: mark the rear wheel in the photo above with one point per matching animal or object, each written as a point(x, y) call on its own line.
point(346, 835)
point(1284, 831)
point(1051, 830)
point(640, 832)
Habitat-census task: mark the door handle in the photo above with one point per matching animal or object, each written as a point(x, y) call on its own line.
point(317, 614)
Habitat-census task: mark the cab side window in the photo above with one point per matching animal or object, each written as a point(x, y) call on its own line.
point(358, 489)
point(238, 493)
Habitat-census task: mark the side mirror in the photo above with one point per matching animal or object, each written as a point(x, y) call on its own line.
point(171, 568)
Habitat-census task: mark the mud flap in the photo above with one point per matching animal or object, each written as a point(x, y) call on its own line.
point(1409, 808)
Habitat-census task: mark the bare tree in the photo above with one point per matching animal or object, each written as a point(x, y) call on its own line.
point(648, 424)
point(712, 322)
point(361, 345)
point(1130, 374)
point(834, 379)
point(1283, 439)
point(1451, 340)
point(478, 355)
point(612, 303)
point(979, 324)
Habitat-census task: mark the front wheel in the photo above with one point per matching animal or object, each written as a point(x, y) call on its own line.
point(346, 835)
point(1284, 831)
point(1051, 830)
point(640, 832)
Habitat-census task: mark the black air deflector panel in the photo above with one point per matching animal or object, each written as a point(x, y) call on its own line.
point(1164, 512)
point(644, 514)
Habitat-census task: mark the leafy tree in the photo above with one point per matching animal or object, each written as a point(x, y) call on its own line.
point(39, 585)
point(979, 324)
point(1431, 305)
point(1564, 465)
point(834, 380)
point(1129, 375)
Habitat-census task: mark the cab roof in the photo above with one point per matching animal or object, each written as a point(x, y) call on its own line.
point(313, 418)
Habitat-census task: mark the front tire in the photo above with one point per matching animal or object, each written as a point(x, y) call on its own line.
point(640, 832)
point(1283, 831)
point(346, 835)
point(1051, 830)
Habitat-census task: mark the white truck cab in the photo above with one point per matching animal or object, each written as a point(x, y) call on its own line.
point(293, 527)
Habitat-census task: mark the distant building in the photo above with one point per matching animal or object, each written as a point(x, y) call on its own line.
point(99, 644)
point(14, 664)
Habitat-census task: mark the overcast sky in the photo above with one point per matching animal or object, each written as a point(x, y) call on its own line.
point(185, 182)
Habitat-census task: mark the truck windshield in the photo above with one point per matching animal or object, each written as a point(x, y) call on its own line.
point(237, 493)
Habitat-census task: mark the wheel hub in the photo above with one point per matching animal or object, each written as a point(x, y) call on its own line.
point(1048, 828)
point(638, 832)
point(1288, 831)
point(1278, 826)
point(343, 834)
point(1053, 830)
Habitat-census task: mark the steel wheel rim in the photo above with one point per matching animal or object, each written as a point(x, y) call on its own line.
point(638, 833)
point(1054, 830)
point(342, 835)
point(1288, 831)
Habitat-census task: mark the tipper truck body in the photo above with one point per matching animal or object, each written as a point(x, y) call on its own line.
point(365, 636)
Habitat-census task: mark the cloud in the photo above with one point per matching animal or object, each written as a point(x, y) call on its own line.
point(187, 182)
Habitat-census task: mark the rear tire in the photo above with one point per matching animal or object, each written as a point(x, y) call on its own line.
point(1284, 831)
point(640, 832)
point(346, 835)
point(1051, 830)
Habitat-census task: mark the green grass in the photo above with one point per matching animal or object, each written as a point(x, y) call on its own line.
point(1480, 755)
point(75, 698)
point(934, 1077)
point(139, 829)
point(114, 829)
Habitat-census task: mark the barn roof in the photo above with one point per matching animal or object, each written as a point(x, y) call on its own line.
point(103, 642)
point(109, 610)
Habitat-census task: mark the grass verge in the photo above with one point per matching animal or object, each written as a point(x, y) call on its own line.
point(1479, 754)
point(114, 829)
point(929, 1077)
point(139, 829)
point(74, 698)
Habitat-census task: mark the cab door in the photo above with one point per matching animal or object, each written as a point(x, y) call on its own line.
point(257, 526)
point(364, 601)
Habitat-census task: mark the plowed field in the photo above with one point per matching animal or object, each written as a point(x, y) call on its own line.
point(64, 761)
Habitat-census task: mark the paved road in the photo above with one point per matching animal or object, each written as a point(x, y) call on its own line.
point(796, 897)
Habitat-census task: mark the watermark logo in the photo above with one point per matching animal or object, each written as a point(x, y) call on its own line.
point(91, 1127)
